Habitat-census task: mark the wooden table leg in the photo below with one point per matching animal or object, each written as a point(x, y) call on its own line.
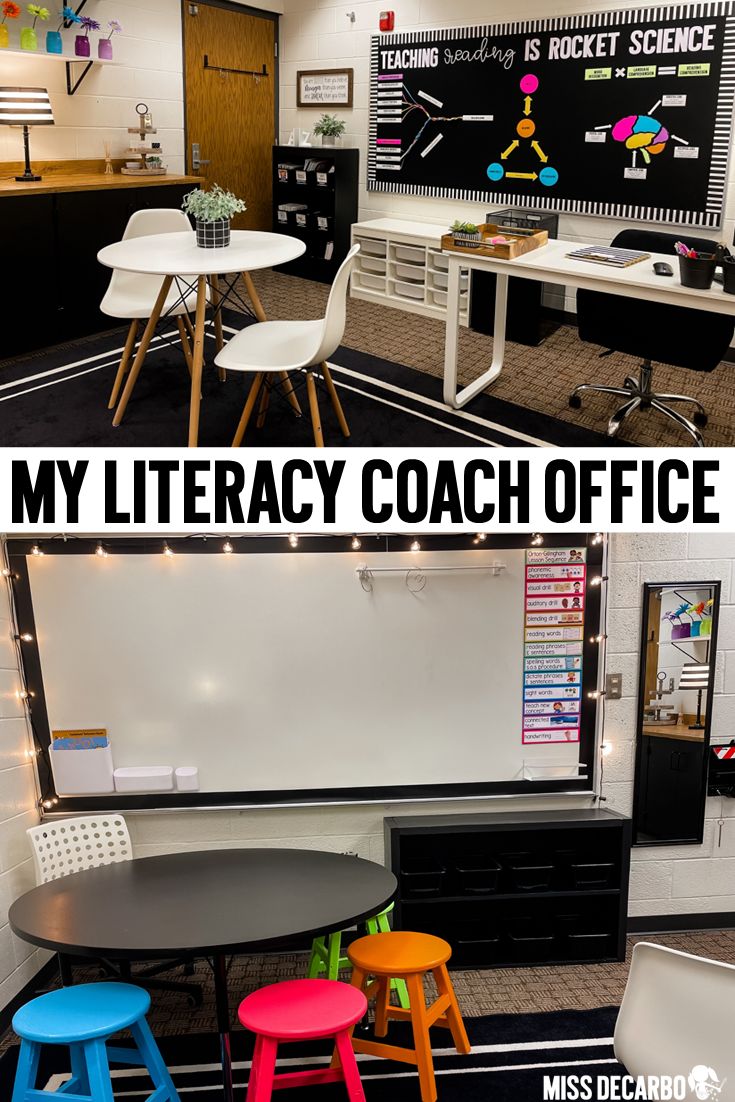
point(247, 411)
point(185, 348)
point(335, 399)
point(260, 314)
point(124, 363)
point(314, 407)
point(142, 349)
point(197, 361)
point(218, 336)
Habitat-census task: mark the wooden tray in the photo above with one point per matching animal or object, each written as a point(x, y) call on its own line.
point(518, 242)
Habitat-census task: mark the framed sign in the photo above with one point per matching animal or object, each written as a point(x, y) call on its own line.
point(324, 87)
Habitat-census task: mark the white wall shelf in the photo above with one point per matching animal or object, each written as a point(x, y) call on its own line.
point(73, 79)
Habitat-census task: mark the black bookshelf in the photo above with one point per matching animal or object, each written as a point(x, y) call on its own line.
point(510, 889)
point(330, 200)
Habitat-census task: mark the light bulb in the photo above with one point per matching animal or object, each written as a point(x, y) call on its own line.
point(606, 748)
point(36, 550)
point(227, 548)
point(415, 545)
point(597, 638)
point(597, 538)
point(31, 753)
point(47, 804)
point(24, 694)
point(100, 551)
point(595, 694)
point(25, 637)
point(55, 800)
point(536, 539)
point(480, 537)
point(356, 543)
point(597, 580)
point(7, 572)
point(168, 551)
point(293, 539)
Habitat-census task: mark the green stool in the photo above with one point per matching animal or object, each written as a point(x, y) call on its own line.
point(327, 957)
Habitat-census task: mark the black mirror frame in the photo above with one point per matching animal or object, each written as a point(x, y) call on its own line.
point(648, 588)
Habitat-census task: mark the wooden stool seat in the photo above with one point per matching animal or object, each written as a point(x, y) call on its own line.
point(408, 956)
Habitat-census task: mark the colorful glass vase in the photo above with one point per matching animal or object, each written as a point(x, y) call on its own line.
point(28, 38)
point(81, 45)
point(104, 49)
point(54, 45)
point(4, 36)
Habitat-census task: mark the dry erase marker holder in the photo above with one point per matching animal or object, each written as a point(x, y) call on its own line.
point(82, 772)
point(697, 272)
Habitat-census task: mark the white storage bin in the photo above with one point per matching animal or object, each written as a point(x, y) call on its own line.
point(187, 778)
point(411, 273)
point(439, 298)
point(439, 262)
point(374, 283)
point(371, 246)
point(409, 290)
point(82, 772)
point(441, 280)
point(370, 264)
point(144, 778)
point(413, 253)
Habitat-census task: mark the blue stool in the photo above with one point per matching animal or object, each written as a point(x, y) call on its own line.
point(84, 1018)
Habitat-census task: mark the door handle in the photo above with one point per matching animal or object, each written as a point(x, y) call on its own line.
point(196, 160)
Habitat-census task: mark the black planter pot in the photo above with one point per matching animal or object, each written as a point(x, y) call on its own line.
point(213, 235)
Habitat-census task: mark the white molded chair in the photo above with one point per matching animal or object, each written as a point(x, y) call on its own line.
point(269, 348)
point(677, 1018)
point(133, 295)
point(67, 846)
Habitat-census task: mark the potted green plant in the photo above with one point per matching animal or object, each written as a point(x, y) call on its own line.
point(466, 234)
point(212, 212)
point(329, 128)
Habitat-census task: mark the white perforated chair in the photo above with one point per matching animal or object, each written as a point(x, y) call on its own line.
point(71, 845)
point(267, 349)
point(677, 1018)
point(64, 847)
point(133, 295)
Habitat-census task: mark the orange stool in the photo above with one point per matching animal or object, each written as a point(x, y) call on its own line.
point(407, 956)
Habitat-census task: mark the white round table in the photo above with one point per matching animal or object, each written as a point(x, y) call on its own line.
point(177, 256)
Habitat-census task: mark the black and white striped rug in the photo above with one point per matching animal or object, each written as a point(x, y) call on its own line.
point(58, 398)
point(510, 1056)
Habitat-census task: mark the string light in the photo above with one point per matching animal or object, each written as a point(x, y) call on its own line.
point(31, 753)
point(24, 637)
point(227, 548)
point(36, 550)
point(48, 804)
point(536, 539)
point(7, 572)
point(293, 539)
point(606, 748)
point(24, 694)
point(597, 638)
point(168, 551)
point(100, 551)
point(356, 543)
point(596, 694)
point(480, 537)
point(598, 579)
point(415, 545)
point(597, 538)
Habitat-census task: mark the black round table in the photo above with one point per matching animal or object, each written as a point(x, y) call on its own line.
point(207, 903)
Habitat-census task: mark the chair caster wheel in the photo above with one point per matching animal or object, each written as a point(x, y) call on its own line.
point(194, 1001)
point(575, 401)
point(700, 420)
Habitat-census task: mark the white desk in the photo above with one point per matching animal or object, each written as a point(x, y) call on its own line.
point(551, 264)
point(174, 255)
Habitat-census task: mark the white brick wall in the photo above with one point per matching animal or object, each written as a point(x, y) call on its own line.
point(18, 811)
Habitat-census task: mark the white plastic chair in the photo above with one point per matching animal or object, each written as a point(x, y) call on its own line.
point(676, 1018)
point(133, 295)
point(269, 348)
point(71, 845)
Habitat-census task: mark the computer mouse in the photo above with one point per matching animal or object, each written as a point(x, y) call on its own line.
point(663, 269)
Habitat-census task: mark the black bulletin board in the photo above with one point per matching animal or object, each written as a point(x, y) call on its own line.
point(623, 114)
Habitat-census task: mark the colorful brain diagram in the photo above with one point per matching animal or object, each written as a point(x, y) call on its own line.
point(643, 133)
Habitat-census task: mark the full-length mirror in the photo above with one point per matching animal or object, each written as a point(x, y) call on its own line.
point(678, 647)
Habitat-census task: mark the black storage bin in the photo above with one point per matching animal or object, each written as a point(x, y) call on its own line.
point(532, 940)
point(529, 873)
point(421, 876)
point(592, 875)
point(477, 874)
point(475, 943)
point(525, 323)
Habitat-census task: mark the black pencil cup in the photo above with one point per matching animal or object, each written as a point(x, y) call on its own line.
point(697, 272)
point(728, 274)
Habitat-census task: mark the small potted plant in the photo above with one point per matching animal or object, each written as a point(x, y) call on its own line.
point(10, 10)
point(466, 234)
point(54, 45)
point(81, 42)
point(104, 46)
point(28, 36)
point(212, 212)
point(329, 128)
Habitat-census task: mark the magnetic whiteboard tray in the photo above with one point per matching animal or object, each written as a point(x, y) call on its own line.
point(144, 778)
point(82, 772)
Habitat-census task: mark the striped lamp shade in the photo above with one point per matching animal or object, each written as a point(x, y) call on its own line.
point(25, 107)
point(694, 675)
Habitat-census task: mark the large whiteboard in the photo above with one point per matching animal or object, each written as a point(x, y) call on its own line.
point(279, 672)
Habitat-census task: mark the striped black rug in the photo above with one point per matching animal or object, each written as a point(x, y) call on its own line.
point(58, 398)
point(511, 1055)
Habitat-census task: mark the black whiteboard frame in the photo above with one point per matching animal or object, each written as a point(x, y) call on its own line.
point(18, 551)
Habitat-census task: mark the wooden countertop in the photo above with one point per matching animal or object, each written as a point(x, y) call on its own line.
point(673, 730)
point(90, 181)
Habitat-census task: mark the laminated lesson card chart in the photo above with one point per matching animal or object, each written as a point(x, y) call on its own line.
point(554, 601)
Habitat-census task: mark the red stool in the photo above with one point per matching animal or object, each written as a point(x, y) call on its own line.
point(302, 1010)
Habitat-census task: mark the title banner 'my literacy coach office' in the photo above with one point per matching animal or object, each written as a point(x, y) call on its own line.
point(358, 490)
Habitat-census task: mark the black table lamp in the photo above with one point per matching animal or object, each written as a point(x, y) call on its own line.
point(695, 675)
point(26, 107)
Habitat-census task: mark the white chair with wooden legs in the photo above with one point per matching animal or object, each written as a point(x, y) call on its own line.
point(267, 349)
point(132, 295)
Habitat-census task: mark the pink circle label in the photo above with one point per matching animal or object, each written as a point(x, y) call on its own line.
point(529, 84)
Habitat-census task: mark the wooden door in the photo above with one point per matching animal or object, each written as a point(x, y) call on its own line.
point(229, 112)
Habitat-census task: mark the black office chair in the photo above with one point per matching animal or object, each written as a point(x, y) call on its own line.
point(695, 339)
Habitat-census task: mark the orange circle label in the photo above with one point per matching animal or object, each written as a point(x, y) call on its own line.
point(526, 127)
